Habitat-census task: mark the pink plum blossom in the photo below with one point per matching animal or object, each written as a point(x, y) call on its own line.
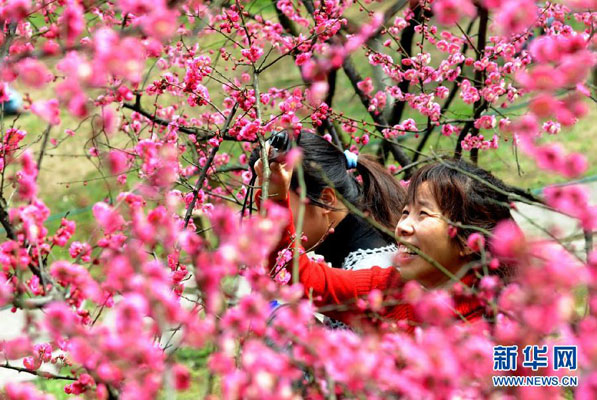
point(449, 12)
point(47, 110)
point(34, 73)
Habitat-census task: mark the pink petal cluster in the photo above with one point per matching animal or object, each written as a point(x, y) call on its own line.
point(449, 12)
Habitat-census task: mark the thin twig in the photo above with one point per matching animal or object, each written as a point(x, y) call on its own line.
point(448, 102)
point(406, 42)
point(200, 134)
point(205, 168)
point(379, 119)
point(5, 222)
point(43, 374)
point(44, 144)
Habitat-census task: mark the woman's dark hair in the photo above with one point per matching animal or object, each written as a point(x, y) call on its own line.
point(325, 165)
point(467, 195)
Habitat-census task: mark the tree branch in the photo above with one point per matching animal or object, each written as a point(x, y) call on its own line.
point(480, 105)
point(200, 134)
point(379, 120)
point(33, 303)
point(5, 222)
point(47, 375)
point(44, 144)
point(327, 124)
point(285, 21)
point(205, 168)
point(448, 101)
point(406, 43)
point(387, 16)
point(353, 28)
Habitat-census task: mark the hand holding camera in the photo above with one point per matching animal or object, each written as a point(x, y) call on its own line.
point(277, 147)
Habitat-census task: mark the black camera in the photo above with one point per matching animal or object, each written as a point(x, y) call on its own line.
point(279, 144)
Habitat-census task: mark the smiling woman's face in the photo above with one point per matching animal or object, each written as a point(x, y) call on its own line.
point(423, 225)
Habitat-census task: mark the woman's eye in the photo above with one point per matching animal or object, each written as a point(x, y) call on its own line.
point(404, 212)
point(422, 212)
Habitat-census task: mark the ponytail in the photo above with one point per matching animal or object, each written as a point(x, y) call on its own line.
point(382, 196)
point(325, 165)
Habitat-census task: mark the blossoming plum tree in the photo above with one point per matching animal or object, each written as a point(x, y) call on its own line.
point(193, 86)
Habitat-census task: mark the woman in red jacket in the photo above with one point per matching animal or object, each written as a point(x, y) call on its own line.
point(431, 251)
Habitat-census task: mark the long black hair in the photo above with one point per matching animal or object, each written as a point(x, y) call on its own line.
point(325, 165)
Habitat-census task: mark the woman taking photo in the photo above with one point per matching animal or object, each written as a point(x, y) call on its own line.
point(343, 239)
point(438, 194)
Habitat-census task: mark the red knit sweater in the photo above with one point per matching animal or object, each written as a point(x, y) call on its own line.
point(337, 292)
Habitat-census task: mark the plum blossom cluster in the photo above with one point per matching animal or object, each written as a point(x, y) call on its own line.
point(478, 142)
point(170, 98)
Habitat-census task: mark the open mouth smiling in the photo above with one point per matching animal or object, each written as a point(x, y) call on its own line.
point(405, 253)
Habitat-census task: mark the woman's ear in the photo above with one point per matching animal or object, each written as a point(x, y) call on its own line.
point(465, 251)
point(328, 197)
